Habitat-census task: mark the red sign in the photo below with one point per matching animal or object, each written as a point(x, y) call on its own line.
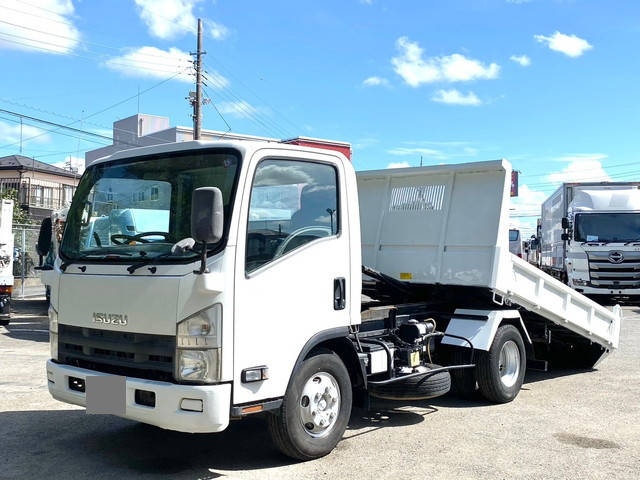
point(514, 183)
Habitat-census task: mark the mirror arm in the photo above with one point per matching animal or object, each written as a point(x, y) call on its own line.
point(203, 261)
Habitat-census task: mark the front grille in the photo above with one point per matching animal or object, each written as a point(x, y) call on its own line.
point(137, 355)
point(607, 274)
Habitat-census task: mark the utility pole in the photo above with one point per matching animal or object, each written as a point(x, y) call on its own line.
point(197, 102)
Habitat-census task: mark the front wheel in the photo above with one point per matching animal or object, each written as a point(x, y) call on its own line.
point(500, 371)
point(315, 409)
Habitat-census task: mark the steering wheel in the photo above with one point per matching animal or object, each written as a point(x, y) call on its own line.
point(123, 238)
point(281, 250)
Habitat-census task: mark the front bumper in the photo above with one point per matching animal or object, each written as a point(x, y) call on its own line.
point(166, 413)
point(619, 292)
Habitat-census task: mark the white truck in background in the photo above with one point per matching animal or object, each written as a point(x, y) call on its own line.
point(515, 242)
point(590, 237)
point(6, 260)
point(244, 296)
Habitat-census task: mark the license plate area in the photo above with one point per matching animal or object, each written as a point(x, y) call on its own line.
point(106, 394)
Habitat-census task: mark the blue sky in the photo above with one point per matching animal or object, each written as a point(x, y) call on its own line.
point(549, 84)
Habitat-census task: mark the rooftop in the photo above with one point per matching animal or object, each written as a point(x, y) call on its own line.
point(22, 163)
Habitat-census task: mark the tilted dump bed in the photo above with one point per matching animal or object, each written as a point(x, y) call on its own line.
point(448, 225)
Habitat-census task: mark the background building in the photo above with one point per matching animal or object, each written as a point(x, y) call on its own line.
point(142, 130)
point(41, 188)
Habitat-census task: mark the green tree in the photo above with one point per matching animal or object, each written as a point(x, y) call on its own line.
point(19, 215)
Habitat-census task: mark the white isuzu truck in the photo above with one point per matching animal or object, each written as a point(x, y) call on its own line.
point(270, 278)
point(590, 237)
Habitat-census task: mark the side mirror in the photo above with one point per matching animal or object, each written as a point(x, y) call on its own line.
point(565, 222)
point(207, 220)
point(207, 215)
point(44, 238)
point(564, 236)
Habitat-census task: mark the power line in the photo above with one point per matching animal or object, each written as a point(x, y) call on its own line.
point(240, 81)
point(47, 122)
point(85, 42)
point(39, 7)
point(31, 14)
point(104, 109)
point(213, 104)
point(276, 125)
point(249, 112)
point(126, 62)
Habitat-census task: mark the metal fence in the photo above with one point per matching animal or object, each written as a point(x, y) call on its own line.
point(25, 259)
point(38, 192)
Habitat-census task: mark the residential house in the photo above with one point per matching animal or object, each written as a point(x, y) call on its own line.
point(41, 187)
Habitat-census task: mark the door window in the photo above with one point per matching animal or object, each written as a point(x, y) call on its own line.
point(292, 203)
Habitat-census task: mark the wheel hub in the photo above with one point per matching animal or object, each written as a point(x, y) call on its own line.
point(509, 363)
point(319, 404)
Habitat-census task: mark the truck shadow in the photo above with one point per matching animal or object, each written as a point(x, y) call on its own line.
point(109, 447)
point(33, 332)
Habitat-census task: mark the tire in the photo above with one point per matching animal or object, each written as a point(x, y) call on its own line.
point(4, 322)
point(412, 389)
point(500, 371)
point(463, 381)
point(295, 429)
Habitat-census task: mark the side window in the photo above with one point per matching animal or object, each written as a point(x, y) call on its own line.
point(292, 203)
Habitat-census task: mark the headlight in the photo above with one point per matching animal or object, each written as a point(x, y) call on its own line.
point(53, 332)
point(198, 343)
point(580, 282)
point(198, 365)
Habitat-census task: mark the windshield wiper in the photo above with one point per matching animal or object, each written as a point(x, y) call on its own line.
point(91, 256)
point(180, 248)
point(632, 241)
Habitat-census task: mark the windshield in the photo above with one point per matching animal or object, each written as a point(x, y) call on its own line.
point(514, 235)
point(607, 227)
point(138, 208)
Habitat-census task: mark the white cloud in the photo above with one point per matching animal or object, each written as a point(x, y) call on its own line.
point(47, 26)
point(415, 151)
point(153, 62)
point(76, 163)
point(375, 81)
point(581, 168)
point(522, 60)
point(455, 97)
point(217, 30)
point(416, 70)
point(366, 142)
point(528, 199)
point(528, 202)
point(10, 133)
point(570, 45)
point(398, 165)
point(169, 19)
point(239, 109)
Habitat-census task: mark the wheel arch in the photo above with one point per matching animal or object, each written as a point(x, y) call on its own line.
point(336, 340)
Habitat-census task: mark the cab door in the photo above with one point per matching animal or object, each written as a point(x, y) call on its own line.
point(292, 265)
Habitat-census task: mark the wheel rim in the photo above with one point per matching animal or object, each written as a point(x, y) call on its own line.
point(509, 366)
point(319, 404)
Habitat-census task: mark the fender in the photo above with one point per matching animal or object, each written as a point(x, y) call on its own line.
point(336, 339)
point(480, 327)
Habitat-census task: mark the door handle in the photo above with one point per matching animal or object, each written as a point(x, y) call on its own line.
point(339, 294)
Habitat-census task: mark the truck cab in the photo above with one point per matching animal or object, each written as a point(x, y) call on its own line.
point(127, 299)
point(603, 240)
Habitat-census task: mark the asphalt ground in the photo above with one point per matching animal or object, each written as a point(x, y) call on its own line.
point(564, 424)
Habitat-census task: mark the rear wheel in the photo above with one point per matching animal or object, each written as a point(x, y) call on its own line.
point(315, 409)
point(500, 371)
